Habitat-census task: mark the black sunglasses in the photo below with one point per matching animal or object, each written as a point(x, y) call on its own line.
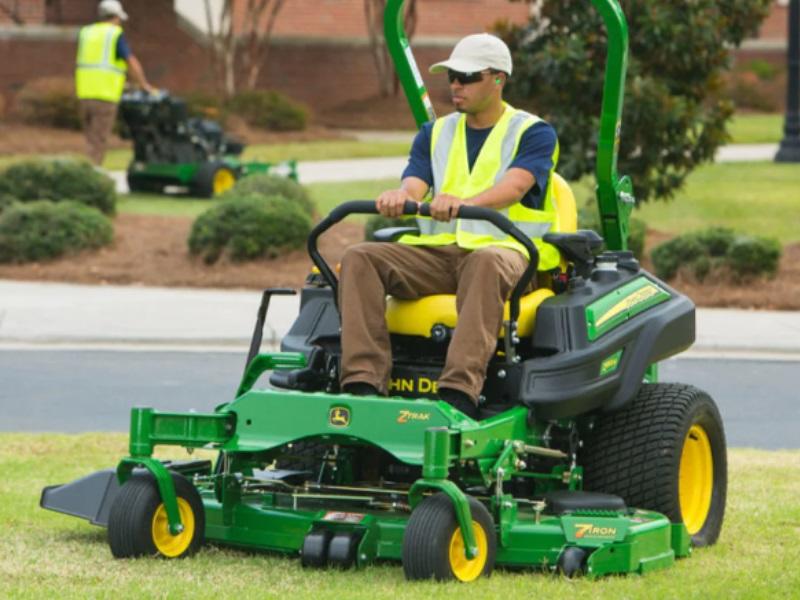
point(465, 78)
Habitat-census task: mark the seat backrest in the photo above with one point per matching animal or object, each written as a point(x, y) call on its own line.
point(565, 203)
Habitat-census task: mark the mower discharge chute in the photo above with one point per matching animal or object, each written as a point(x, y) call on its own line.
point(581, 462)
point(173, 150)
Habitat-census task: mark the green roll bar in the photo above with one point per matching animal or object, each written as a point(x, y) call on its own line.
point(614, 193)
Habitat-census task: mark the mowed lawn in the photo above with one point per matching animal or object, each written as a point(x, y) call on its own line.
point(760, 198)
point(51, 555)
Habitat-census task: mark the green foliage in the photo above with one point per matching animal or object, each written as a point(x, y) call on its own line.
point(376, 222)
point(249, 227)
point(6, 200)
point(674, 117)
point(58, 180)
point(269, 110)
point(717, 250)
point(750, 257)
point(273, 185)
point(764, 70)
point(49, 101)
point(44, 230)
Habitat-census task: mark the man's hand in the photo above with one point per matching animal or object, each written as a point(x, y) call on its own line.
point(445, 207)
point(392, 202)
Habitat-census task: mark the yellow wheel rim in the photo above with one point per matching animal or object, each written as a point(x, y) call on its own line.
point(463, 569)
point(696, 480)
point(167, 544)
point(224, 179)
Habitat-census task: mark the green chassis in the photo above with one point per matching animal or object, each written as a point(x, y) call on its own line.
point(245, 510)
point(184, 174)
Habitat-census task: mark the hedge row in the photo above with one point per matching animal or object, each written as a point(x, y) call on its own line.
point(58, 181)
point(717, 251)
point(44, 230)
point(51, 102)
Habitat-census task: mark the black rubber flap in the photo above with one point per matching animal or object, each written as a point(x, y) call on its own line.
point(565, 501)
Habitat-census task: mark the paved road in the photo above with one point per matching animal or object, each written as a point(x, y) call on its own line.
point(74, 391)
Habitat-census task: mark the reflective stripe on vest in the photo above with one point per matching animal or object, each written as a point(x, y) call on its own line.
point(98, 75)
point(451, 175)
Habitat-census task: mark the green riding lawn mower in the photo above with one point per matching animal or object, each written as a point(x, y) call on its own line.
point(175, 152)
point(581, 461)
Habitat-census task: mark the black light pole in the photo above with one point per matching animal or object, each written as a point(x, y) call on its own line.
point(789, 150)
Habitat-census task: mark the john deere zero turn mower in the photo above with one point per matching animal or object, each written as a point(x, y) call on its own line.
point(581, 461)
point(173, 150)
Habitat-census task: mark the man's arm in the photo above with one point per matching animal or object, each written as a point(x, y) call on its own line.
point(390, 203)
point(513, 186)
point(137, 71)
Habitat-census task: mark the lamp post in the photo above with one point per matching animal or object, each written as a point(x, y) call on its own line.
point(789, 150)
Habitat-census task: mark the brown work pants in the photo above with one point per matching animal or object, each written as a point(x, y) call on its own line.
point(98, 121)
point(481, 280)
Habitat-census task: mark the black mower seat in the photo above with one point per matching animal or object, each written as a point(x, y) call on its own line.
point(418, 317)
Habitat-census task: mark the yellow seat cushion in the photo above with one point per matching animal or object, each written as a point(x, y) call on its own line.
point(417, 317)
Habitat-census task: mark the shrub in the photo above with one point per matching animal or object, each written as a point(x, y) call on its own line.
point(376, 222)
point(719, 251)
point(675, 109)
point(273, 185)
point(59, 180)
point(750, 257)
point(6, 200)
point(249, 227)
point(45, 230)
point(50, 101)
point(269, 110)
point(204, 105)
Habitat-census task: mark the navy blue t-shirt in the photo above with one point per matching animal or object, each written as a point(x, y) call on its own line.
point(123, 50)
point(535, 155)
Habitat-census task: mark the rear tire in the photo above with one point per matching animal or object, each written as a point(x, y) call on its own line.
point(212, 179)
point(433, 547)
point(137, 522)
point(666, 452)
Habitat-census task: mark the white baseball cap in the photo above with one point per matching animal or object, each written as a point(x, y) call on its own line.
point(112, 8)
point(475, 53)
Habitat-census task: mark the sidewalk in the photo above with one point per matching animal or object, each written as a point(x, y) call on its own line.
point(358, 169)
point(52, 315)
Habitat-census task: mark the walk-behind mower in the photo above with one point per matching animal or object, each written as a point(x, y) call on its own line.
point(172, 150)
point(580, 462)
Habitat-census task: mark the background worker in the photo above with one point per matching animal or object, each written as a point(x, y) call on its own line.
point(103, 60)
point(486, 154)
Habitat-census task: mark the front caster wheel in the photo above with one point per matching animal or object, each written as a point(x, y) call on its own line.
point(433, 546)
point(137, 523)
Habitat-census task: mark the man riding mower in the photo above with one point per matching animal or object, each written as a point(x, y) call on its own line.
point(558, 451)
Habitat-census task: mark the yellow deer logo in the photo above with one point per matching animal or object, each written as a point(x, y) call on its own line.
point(339, 416)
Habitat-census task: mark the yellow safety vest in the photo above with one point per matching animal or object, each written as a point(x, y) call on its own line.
point(451, 175)
point(99, 74)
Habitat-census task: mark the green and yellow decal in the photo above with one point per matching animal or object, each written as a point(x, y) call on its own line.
point(610, 364)
point(622, 304)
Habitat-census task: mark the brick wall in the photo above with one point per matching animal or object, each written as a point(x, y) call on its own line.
point(344, 19)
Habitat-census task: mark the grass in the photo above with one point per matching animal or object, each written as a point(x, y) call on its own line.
point(757, 198)
point(52, 555)
point(756, 128)
point(118, 159)
point(325, 195)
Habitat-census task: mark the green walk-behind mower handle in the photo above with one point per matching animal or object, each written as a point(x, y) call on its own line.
point(412, 208)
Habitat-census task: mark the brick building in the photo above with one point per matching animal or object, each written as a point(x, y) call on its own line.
point(319, 54)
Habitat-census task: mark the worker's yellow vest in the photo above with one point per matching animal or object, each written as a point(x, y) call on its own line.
point(99, 75)
point(451, 175)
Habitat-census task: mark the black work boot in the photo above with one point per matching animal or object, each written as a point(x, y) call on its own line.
point(360, 388)
point(459, 400)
